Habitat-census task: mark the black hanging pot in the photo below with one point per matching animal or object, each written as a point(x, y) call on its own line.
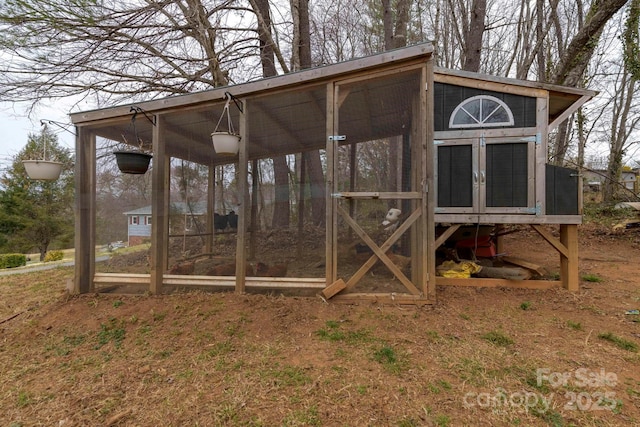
point(133, 162)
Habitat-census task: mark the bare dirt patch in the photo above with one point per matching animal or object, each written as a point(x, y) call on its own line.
point(478, 357)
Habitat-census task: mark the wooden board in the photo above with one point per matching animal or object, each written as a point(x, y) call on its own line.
point(500, 283)
point(526, 264)
point(333, 289)
point(509, 273)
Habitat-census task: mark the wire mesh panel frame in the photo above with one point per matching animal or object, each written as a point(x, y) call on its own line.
point(418, 286)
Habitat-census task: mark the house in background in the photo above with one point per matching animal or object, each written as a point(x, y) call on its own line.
point(185, 218)
point(629, 179)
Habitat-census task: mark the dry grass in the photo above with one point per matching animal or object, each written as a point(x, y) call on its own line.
point(476, 358)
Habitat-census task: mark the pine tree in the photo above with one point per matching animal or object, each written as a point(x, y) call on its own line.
point(37, 214)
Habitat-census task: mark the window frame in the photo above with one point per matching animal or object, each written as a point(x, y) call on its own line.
point(460, 109)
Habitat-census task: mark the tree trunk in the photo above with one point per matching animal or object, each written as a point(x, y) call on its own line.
point(560, 144)
point(621, 127)
point(473, 39)
point(573, 63)
point(317, 187)
point(280, 169)
point(395, 36)
point(281, 205)
point(314, 163)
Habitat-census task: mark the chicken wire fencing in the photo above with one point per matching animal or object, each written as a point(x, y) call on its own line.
point(378, 176)
point(286, 206)
point(367, 223)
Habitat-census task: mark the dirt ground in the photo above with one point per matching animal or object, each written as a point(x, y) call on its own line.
point(479, 357)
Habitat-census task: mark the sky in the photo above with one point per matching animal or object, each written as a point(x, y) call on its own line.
point(17, 125)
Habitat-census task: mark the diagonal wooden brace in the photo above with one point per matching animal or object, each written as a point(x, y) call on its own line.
point(380, 252)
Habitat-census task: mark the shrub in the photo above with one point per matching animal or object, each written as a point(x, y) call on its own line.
point(53, 256)
point(12, 260)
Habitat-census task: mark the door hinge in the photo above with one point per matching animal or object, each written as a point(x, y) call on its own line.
point(338, 138)
point(536, 211)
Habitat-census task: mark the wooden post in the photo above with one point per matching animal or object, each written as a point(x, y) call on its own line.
point(85, 211)
point(427, 108)
point(331, 233)
point(499, 239)
point(159, 208)
point(243, 191)
point(569, 263)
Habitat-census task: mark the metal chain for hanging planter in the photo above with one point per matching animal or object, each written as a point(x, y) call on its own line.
point(226, 142)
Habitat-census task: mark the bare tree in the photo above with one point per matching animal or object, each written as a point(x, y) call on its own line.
point(119, 50)
point(473, 36)
point(623, 123)
point(575, 59)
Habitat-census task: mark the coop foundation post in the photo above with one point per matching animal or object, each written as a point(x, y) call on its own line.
point(569, 262)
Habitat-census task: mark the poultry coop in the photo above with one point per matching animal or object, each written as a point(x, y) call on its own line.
point(338, 180)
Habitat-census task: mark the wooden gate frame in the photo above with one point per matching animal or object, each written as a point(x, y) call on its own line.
point(422, 287)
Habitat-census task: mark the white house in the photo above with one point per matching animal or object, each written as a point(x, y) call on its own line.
point(139, 220)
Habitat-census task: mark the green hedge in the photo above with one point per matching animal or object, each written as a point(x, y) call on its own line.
point(12, 260)
point(53, 256)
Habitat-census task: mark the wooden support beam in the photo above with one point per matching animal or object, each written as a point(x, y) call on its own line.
point(569, 262)
point(159, 207)
point(331, 216)
point(243, 191)
point(447, 233)
point(380, 252)
point(499, 283)
point(85, 211)
point(524, 263)
point(382, 298)
point(333, 289)
point(546, 235)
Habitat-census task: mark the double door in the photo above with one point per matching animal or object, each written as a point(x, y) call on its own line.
point(486, 175)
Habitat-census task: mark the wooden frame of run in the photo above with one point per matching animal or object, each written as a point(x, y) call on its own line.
point(179, 131)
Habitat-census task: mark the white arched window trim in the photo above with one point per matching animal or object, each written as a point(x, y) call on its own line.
point(480, 118)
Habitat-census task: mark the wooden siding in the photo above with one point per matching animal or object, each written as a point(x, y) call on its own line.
point(447, 97)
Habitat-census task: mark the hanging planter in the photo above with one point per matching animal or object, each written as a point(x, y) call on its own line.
point(226, 143)
point(134, 162)
point(43, 169)
point(47, 170)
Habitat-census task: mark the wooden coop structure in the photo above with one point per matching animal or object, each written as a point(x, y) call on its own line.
point(388, 132)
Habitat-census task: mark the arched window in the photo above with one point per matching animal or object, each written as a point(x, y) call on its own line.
point(481, 111)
